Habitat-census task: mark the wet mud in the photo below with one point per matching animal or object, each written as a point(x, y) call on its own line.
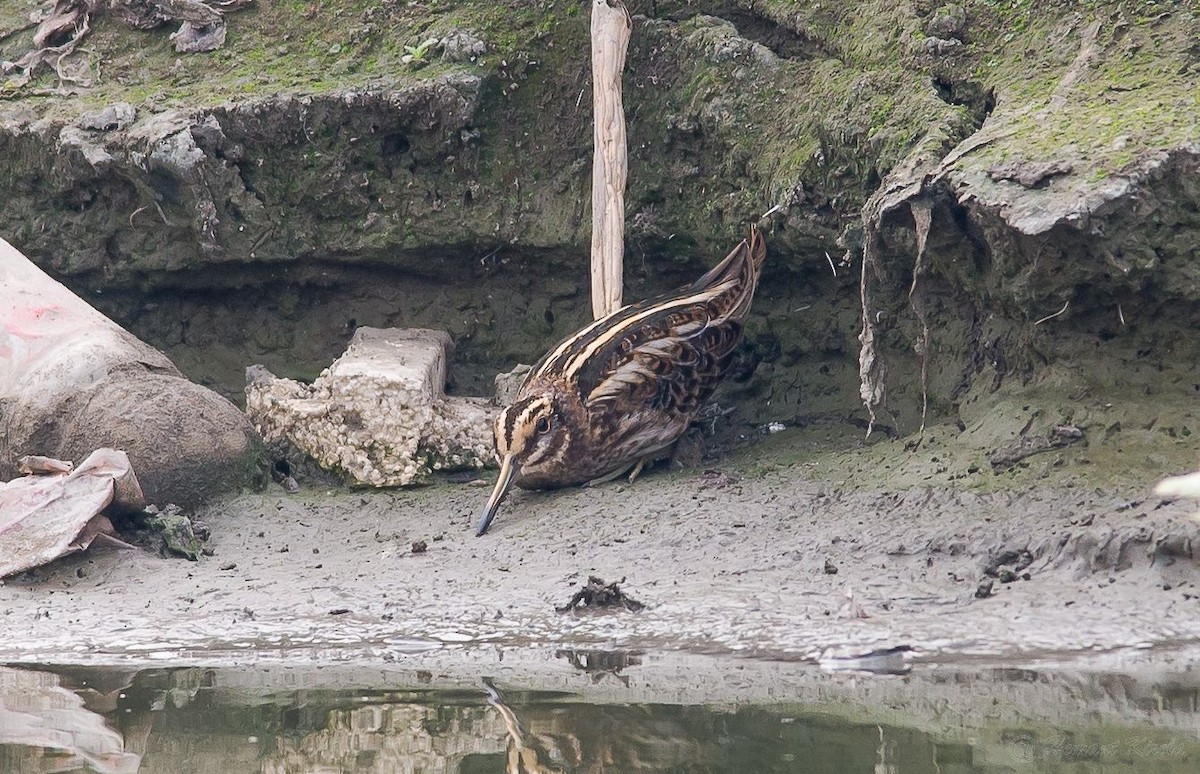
point(798, 554)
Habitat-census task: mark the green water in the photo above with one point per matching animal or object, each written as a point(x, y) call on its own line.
point(277, 719)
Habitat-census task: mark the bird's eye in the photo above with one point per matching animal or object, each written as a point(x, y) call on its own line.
point(543, 425)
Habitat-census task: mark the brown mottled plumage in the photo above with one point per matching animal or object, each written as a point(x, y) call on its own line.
point(627, 385)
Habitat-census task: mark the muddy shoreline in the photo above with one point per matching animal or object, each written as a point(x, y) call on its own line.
point(783, 549)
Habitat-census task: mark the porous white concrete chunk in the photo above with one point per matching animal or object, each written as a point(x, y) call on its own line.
point(378, 414)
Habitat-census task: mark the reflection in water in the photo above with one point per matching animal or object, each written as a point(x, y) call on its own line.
point(272, 721)
point(599, 663)
point(47, 727)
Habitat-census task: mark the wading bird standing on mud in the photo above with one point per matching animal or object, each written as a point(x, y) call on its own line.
point(626, 386)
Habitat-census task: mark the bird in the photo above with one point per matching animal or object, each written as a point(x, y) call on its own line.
point(610, 396)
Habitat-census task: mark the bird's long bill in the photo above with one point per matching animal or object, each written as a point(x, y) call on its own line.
point(507, 471)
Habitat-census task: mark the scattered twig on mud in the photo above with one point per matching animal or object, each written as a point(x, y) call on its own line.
point(161, 214)
point(1011, 453)
point(1120, 315)
point(1056, 314)
point(771, 211)
point(832, 268)
point(597, 593)
point(483, 261)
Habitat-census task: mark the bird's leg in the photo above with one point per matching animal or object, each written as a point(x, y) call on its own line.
point(637, 469)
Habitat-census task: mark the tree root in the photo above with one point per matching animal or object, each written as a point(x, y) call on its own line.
point(58, 35)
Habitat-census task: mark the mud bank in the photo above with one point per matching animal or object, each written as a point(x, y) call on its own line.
point(777, 551)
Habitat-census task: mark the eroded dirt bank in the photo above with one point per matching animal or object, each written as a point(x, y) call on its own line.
point(257, 203)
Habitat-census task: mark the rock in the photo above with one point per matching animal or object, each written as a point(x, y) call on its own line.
point(507, 384)
point(1030, 174)
point(72, 381)
point(112, 118)
point(939, 46)
point(948, 22)
point(93, 151)
point(461, 45)
point(721, 42)
point(378, 414)
point(196, 38)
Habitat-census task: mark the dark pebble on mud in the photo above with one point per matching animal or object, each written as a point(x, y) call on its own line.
point(229, 566)
point(339, 611)
point(985, 588)
point(419, 547)
point(1012, 560)
point(830, 568)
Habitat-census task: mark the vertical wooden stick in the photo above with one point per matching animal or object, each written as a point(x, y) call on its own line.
point(611, 27)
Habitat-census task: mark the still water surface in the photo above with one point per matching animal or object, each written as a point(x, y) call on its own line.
point(250, 719)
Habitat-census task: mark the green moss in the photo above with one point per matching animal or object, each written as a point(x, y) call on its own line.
point(1134, 92)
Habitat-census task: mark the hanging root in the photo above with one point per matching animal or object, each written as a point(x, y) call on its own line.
point(872, 371)
point(922, 212)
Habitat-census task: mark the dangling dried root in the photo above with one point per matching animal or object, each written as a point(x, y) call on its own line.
point(922, 212)
point(872, 370)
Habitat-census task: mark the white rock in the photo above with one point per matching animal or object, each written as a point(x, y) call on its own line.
point(378, 414)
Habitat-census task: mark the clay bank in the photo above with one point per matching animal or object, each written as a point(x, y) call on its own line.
point(983, 247)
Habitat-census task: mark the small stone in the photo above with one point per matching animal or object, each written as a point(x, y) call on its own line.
point(948, 22)
point(985, 588)
point(939, 46)
point(419, 547)
point(193, 38)
point(507, 384)
point(462, 46)
point(830, 568)
point(1032, 174)
point(114, 117)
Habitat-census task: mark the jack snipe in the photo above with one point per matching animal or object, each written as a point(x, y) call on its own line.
point(626, 386)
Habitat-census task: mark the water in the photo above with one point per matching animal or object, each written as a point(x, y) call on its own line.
point(751, 718)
